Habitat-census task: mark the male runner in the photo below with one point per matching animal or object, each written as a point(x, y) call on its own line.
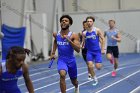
point(66, 42)
point(113, 36)
point(12, 68)
point(93, 36)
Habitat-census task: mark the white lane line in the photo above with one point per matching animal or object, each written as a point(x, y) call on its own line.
point(47, 71)
point(45, 68)
point(56, 69)
point(38, 69)
point(40, 79)
point(90, 81)
point(136, 90)
point(79, 75)
point(57, 82)
point(38, 73)
point(117, 82)
point(102, 76)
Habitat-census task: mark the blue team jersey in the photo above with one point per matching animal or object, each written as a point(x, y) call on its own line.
point(92, 41)
point(109, 34)
point(64, 47)
point(8, 81)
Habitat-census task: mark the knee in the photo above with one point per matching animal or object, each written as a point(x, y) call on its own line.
point(90, 65)
point(108, 56)
point(62, 79)
point(98, 66)
point(62, 75)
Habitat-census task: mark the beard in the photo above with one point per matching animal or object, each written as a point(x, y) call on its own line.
point(65, 28)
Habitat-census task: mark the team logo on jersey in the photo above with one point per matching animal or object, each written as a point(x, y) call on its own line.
point(91, 36)
point(62, 43)
point(9, 79)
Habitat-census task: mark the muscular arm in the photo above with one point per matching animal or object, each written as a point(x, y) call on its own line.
point(83, 39)
point(74, 41)
point(80, 35)
point(27, 79)
point(118, 37)
point(54, 44)
point(102, 39)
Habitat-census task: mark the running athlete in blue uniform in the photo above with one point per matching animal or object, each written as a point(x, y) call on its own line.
point(12, 69)
point(113, 36)
point(66, 42)
point(83, 46)
point(93, 36)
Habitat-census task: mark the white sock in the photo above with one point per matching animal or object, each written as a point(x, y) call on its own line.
point(95, 78)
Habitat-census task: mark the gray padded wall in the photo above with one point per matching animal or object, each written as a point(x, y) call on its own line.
point(126, 21)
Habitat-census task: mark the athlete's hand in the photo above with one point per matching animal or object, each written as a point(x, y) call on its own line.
point(113, 37)
point(103, 51)
point(66, 36)
point(52, 57)
point(82, 47)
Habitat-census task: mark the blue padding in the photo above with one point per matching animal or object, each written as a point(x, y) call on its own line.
point(12, 37)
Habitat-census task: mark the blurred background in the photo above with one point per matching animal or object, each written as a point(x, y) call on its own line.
point(41, 19)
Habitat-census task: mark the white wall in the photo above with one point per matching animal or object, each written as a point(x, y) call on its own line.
point(12, 12)
point(101, 5)
point(95, 5)
point(130, 4)
point(126, 21)
point(69, 5)
point(50, 8)
point(39, 34)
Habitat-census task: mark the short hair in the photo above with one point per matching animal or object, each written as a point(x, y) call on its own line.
point(112, 21)
point(14, 50)
point(67, 16)
point(90, 17)
point(84, 22)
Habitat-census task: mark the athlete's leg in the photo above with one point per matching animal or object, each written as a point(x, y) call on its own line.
point(75, 83)
point(84, 54)
point(72, 71)
point(90, 57)
point(98, 60)
point(116, 55)
point(115, 63)
point(62, 81)
point(62, 69)
point(91, 68)
point(98, 66)
point(90, 64)
point(109, 55)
